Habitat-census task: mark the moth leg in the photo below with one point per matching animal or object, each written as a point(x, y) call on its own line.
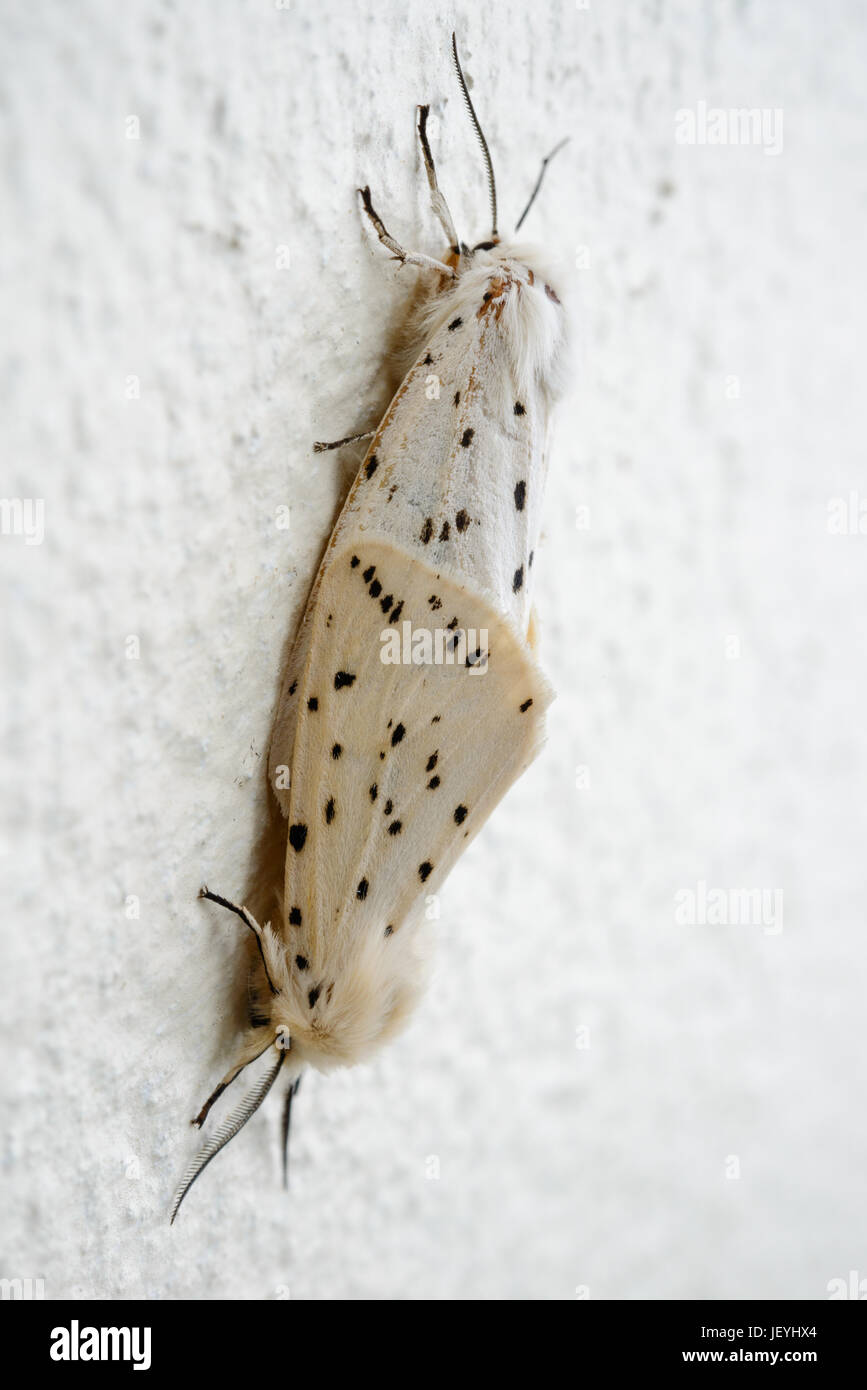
point(249, 920)
point(226, 1082)
point(320, 448)
point(397, 251)
point(438, 202)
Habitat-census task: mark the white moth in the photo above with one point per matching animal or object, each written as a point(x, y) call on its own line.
point(412, 699)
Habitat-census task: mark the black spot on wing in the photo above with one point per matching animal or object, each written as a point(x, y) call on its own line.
point(432, 761)
point(444, 533)
point(457, 398)
point(293, 687)
point(297, 836)
point(395, 827)
point(354, 562)
point(428, 361)
point(295, 917)
point(313, 996)
point(455, 323)
point(460, 814)
point(374, 792)
point(369, 573)
point(343, 679)
point(388, 931)
point(395, 617)
point(361, 890)
point(371, 466)
point(462, 520)
point(330, 810)
point(519, 409)
point(313, 703)
point(433, 784)
point(397, 735)
point(525, 706)
point(375, 589)
point(425, 870)
point(518, 579)
point(520, 495)
point(435, 602)
point(426, 530)
point(336, 750)
point(467, 438)
point(386, 603)
point(302, 962)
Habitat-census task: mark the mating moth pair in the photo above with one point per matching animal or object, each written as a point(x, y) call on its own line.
point(385, 772)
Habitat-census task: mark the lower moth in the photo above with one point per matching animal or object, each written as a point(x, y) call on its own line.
point(384, 767)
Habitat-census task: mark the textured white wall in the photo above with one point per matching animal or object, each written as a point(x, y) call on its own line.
point(718, 406)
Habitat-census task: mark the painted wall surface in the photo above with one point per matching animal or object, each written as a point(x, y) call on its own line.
point(599, 1096)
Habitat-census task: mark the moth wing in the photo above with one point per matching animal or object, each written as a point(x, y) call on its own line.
point(455, 475)
point(395, 767)
point(458, 476)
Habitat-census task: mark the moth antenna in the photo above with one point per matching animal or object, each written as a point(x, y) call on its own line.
point(492, 187)
point(545, 162)
point(287, 1120)
point(249, 920)
point(227, 1131)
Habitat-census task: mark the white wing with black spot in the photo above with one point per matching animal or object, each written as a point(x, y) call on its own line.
point(396, 766)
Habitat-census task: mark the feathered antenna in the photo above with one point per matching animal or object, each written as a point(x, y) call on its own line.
point(227, 1131)
point(492, 187)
